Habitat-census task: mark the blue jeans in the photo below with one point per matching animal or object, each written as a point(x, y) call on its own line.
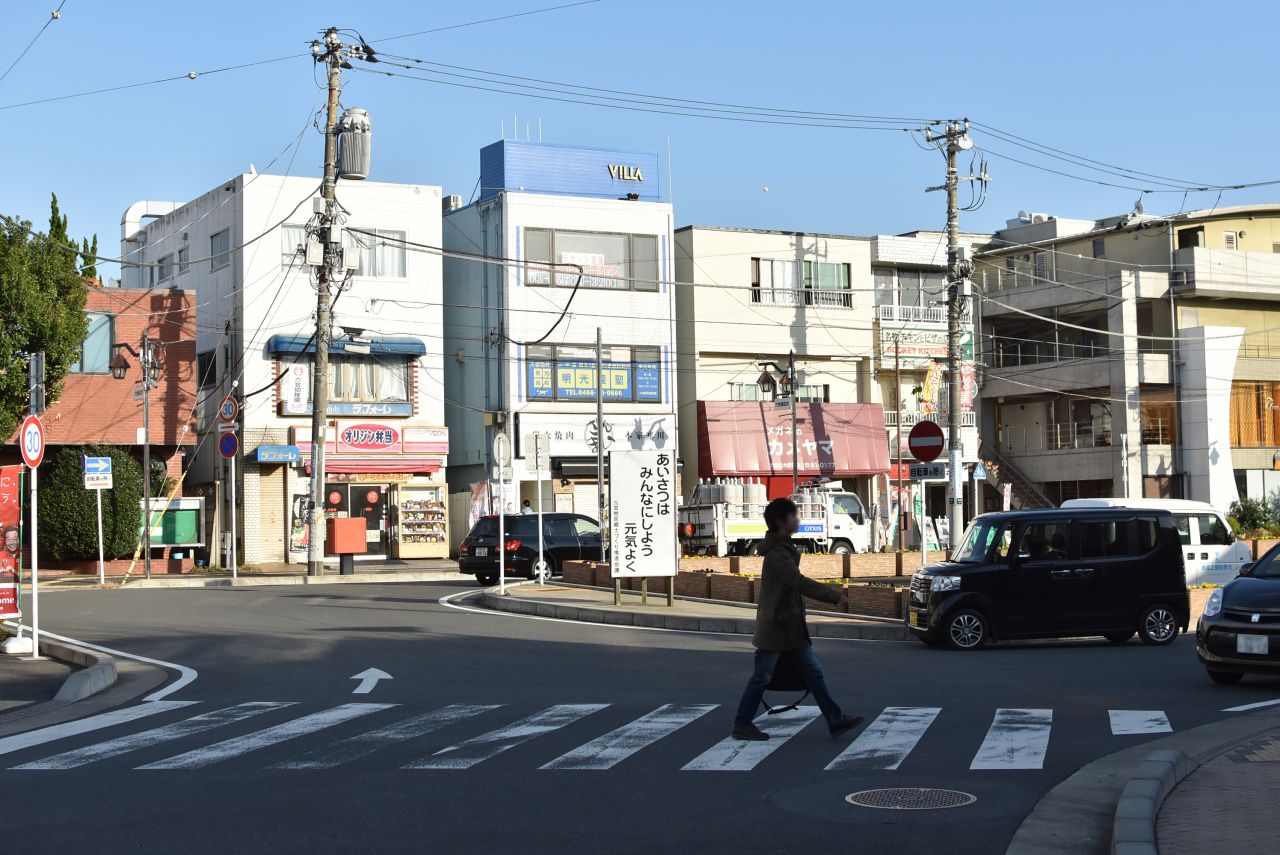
point(807, 662)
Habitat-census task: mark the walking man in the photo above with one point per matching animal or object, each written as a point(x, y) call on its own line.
point(781, 629)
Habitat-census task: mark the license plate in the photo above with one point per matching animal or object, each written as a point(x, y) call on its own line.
point(1252, 644)
point(915, 619)
point(482, 551)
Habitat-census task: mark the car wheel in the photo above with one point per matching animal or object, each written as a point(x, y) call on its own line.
point(1157, 625)
point(840, 547)
point(543, 570)
point(1225, 678)
point(487, 579)
point(966, 630)
point(1119, 636)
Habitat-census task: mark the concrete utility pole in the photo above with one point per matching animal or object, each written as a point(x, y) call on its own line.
point(795, 444)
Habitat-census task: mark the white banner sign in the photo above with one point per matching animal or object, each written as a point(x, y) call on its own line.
point(642, 513)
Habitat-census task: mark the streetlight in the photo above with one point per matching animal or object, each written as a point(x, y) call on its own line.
point(119, 369)
point(787, 381)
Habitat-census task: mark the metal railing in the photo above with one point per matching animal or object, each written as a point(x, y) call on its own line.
point(1076, 436)
point(825, 298)
point(909, 419)
point(917, 314)
point(1157, 431)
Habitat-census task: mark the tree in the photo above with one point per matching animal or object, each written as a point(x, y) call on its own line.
point(42, 298)
point(89, 258)
point(68, 517)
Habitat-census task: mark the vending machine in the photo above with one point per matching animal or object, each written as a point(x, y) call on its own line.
point(420, 526)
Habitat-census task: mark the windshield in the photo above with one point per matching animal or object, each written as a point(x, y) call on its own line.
point(1268, 566)
point(978, 540)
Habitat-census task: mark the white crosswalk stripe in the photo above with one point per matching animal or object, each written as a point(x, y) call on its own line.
point(362, 744)
point(736, 755)
point(1128, 722)
point(617, 745)
point(888, 740)
point(468, 753)
point(239, 745)
point(87, 725)
point(166, 733)
point(1017, 739)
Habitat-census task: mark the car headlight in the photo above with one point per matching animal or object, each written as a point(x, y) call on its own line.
point(945, 583)
point(1214, 605)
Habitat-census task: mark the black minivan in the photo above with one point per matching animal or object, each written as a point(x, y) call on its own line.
point(565, 537)
point(1053, 573)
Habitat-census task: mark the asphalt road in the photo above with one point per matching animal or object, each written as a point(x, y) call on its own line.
point(270, 757)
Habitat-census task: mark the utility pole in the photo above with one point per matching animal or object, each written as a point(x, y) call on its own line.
point(795, 445)
point(145, 358)
point(600, 494)
point(954, 140)
point(897, 441)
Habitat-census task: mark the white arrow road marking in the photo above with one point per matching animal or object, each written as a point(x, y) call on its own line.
point(617, 745)
point(134, 741)
point(368, 679)
point(1126, 722)
point(888, 740)
point(362, 744)
point(466, 754)
point(737, 755)
point(238, 745)
point(1017, 739)
point(86, 725)
point(1259, 705)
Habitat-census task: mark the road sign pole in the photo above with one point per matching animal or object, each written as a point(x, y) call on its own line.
point(35, 568)
point(537, 459)
point(234, 545)
point(102, 572)
point(502, 534)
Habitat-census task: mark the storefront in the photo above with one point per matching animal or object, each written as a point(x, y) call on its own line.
point(389, 473)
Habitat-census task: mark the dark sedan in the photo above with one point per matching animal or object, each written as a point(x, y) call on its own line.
point(1239, 632)
point(565, 537)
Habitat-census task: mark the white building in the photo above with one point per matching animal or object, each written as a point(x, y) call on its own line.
point(240, 247)
point(521, 330)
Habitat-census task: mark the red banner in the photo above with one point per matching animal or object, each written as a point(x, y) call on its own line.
point(11, 547)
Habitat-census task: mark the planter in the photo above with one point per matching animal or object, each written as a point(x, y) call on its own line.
point(734, 589)
point(693, 584)
point(602, 579)
point(577, 573)
point(875, 602)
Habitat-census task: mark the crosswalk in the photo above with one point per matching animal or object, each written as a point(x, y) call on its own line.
point(190, 735)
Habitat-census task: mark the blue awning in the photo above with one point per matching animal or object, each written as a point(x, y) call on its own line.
point(402, 346)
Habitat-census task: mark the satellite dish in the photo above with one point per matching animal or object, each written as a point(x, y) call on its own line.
point(1138, 208)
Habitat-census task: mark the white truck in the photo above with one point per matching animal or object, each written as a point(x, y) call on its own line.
point(726, 517)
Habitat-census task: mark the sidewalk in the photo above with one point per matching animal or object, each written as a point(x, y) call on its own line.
point(595, 605)
point(23, 682)
point(1227, 803)
point(391, 570)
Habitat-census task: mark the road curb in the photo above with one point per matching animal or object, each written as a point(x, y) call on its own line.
point(264, 581)
point(1133, 832)
point(95, 672)
point(656, 619)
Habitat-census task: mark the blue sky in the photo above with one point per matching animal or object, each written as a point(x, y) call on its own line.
point(1141, 86)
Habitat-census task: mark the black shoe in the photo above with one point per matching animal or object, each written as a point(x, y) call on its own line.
point(845, 724)
point(750, 733)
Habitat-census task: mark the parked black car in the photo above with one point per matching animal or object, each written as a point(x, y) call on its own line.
point(1239, 632)
point(1054, 573)
point(565, 537)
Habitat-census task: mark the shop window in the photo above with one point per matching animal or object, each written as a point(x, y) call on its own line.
point(370, 380)
point(611, 261)
point(567, 372)
point(220, 250)
point(381, 254)
point(95, 350)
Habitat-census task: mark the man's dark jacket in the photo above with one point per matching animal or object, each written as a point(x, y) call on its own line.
point(780, 621)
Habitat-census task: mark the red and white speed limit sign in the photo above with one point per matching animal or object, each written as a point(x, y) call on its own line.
point(31, 439)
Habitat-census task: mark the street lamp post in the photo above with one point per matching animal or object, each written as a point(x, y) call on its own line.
point(788, 381)
point(119, 369)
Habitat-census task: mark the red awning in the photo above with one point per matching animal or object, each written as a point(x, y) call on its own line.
point(414, 466)
point(742, 438)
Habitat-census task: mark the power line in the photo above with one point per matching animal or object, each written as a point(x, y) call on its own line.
point(487, 20)
point(55, 15)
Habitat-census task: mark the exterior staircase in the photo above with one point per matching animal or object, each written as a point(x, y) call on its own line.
point(1000, 472)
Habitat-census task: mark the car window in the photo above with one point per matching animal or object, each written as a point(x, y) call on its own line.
point(1212, 531)
point(1183, 524)
point(1107, 539)
point(978, 540)
point(486, 527)
point(1148, 531)
point(848, 505)
point(561, 527)
point(1046, 541)
point(525, 526)
point(1268, 566)
point(586, 528)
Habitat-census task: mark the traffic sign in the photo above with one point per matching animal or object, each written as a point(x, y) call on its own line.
point(501, 449)
point(228, 426)
point(502, 473)
point(228, 445)
point(228, 409)
point(537, 452)
point(97, 472)
point(31, 440)
point(925, 441)
point(979, 472)
point(928, 471)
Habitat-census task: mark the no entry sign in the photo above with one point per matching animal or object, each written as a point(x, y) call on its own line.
point(925, 441)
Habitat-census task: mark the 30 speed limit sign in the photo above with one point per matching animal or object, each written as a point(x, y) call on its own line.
point(31, 438)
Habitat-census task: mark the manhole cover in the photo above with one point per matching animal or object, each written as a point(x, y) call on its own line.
point(910, 798)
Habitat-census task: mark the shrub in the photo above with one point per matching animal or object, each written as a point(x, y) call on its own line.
point(68, 518)
point(1252, 514)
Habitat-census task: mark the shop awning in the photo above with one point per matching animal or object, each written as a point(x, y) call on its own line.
point(390, 465)
point(396, 346)
point(753, 438)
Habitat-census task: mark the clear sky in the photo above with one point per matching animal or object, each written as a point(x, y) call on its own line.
point(1183, 91)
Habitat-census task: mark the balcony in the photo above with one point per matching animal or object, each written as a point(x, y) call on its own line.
point(1227, 273)
point(967, 419)
point(895, 314)
point(823, 298)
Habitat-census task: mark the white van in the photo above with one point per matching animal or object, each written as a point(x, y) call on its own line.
point(1211, 553)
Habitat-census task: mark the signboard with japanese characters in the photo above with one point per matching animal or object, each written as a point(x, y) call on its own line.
point(642, 513)
point(575, 436)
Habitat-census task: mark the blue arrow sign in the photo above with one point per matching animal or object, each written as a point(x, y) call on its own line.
point(100, 465)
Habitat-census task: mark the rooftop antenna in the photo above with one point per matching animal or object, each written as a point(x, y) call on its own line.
point(539, 129)
point(526, 131)
point(502, 129)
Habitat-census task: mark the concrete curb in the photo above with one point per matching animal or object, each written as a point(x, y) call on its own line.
point(263, 581)
point(1133, 831)
point(95, 671)
point(656, 619)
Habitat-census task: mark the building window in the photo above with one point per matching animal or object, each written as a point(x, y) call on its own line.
point(184, 260)
point(1230, 240)
point(618, 262)
point(814, 394)
point(774, 282)
point(369, 379)
point(166, 268)
point(1255, 414)
point(95, 351)
point(745, 392)
point(382, 254)
point(827, 284)
point(220, 250)
point(1099, 248)
point(1157, 420)
point(207, 368)
point(1042, 266)
point(293, 243)
point(567, 372)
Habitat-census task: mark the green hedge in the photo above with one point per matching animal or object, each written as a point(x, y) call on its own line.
point(68, 518)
